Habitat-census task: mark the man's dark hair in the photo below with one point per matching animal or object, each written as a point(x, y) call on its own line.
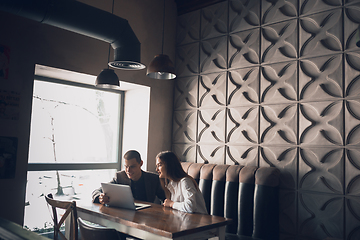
point(132, 154)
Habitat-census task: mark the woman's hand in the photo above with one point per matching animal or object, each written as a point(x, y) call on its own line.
point(103, 199)
point(168, 203)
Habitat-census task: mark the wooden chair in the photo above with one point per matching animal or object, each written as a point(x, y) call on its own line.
point(89, 232)
point(70, 208)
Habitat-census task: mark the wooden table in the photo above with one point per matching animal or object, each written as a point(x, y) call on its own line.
point(156, 222)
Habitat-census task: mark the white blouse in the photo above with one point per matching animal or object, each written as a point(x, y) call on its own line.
point(186, 197)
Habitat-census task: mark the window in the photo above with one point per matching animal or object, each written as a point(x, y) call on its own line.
point(75, 144)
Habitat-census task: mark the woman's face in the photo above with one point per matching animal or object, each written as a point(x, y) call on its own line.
point(160, 168)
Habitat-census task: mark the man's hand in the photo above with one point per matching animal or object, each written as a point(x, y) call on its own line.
point(168, 203)
point(103, 199)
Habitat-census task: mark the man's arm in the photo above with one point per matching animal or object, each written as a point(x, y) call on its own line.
point(96, 193)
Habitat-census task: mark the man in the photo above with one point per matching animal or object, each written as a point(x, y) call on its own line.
point(145, 186)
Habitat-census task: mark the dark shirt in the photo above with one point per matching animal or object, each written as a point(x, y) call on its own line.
point(138, 189)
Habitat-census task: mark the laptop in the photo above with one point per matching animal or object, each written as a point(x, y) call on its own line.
point(121, 196)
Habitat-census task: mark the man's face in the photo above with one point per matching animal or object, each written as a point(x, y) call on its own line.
point(133, 169)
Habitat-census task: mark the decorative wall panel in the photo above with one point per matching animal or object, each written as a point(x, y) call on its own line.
point(352, 216)
point(242, 155)
point(184, 126)
point(213, 55)
point(285, 159)
point(321, 216)
point(212, 90)
point(288, 217)
point(312, 6)
point(321, 123)
point(278, 124)
point(186, 93)
point(321, 169)
point(321, 33)
point(321, 78)
point(352, 20)
point(188, 28)
point(243, 86)
point(279, 42)
point(244, 14)
point(214, 20)
point(352, 172)
point(277, 83)
point(276, 11)
point(244, 48)
point(187, 60)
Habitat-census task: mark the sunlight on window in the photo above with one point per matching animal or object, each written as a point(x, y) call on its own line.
point(72, 124)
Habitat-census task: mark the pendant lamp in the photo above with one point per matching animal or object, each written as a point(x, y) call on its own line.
point(161, 66)
point(108, 78)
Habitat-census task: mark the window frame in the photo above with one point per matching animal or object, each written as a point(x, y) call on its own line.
point(83, 166)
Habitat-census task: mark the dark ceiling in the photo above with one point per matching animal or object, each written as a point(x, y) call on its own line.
point(185, 6)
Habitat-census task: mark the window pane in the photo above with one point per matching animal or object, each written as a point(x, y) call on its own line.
point(72, 185)
point(72, 124)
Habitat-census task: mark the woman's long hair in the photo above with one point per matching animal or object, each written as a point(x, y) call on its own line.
point(174, 170)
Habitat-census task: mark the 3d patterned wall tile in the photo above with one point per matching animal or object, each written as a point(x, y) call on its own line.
point(184, 126)
point(321, 34)
point(352, 74)
point(278, 124)
point(211, 154)
point(279, 42)
point(188, 28)
point(244, 49)
point(321, 78)
point(288, 216)
point(352, 172)
point(321, 123)
point(213, 55)
point(312, 6)
point(352, 215)
point(244, 155)
point(186, 152)
point(243, 15)
point(211, 126)
point(320, 216)
point(187, 60)
point(276, 11)
point(279, 82)
point(212, 90)
point(352, 21)
point(283, 158)
point(352, 124)
point(186, 93)
point(242, 125)
point(214, 21)
point(321, 169)
point(243, 87)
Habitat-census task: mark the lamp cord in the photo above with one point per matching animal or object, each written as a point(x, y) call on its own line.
point(112, 12)
point(163, 32)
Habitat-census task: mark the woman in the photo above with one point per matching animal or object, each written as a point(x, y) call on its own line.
point(184, 192)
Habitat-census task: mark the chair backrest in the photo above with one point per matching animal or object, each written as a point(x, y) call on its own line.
point(70, 209)
point(246, 194)
point(89, 232)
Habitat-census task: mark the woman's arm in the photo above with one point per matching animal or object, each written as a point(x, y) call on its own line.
point(189, 192)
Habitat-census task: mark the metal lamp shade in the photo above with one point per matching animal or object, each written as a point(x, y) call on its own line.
point(161, 67)
point(107, 79)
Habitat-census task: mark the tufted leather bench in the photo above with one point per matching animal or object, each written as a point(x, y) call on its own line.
point(246, 194)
